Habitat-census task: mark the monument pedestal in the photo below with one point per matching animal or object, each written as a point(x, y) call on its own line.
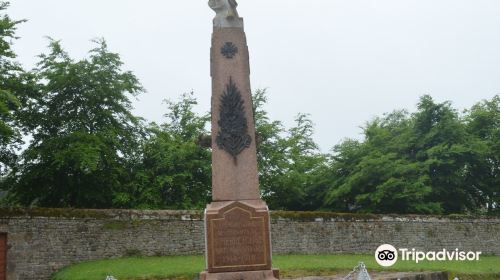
point(238, 244)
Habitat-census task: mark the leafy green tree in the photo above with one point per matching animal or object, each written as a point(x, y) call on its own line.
point(376, 175)
point(416, 163)
point(10, 73)
point(301, 187)
point(175, 171)
point(289, 160)
point(84, 136)
point(441, 143)
point(341, 195)
point(270, 146)
point(483, 174)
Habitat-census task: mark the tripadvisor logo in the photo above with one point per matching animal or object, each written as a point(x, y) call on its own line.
point(387, 255)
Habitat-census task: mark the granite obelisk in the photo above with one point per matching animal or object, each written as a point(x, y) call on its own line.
point(237, 236)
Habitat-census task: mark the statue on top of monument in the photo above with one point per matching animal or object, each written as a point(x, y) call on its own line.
point(226, 13)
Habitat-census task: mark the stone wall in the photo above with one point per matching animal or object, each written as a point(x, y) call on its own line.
point(41, 241)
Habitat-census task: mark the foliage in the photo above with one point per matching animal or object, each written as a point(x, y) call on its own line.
point(290, 162)
point(174, 172)
point(483, 174)
point(83, 133)
point(427, 162)
point(10, 81)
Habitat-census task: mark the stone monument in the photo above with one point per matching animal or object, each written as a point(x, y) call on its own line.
point(237, 236)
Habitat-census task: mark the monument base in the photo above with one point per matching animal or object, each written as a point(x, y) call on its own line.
point(243, 275)
point(238, 245)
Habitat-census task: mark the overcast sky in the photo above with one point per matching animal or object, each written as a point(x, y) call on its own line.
point(342, 61)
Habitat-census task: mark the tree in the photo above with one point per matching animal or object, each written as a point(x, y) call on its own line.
point(270, 146)
point(10, 76)
point(377, 175)
point(441, 143)
point(175, 172)
point(414, 163)
point(84, 136)
point(289, 160)
point(483, 174)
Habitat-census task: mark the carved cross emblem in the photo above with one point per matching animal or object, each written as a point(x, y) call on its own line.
point(229, 50)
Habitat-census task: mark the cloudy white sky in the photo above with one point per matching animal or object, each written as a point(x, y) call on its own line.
point(342, 61)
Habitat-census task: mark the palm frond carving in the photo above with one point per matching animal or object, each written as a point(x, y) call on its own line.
point(233, 127)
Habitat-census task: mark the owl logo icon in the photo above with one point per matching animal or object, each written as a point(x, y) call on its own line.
point(386, 255)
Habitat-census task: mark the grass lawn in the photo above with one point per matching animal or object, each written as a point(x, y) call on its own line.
point(186, 267)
